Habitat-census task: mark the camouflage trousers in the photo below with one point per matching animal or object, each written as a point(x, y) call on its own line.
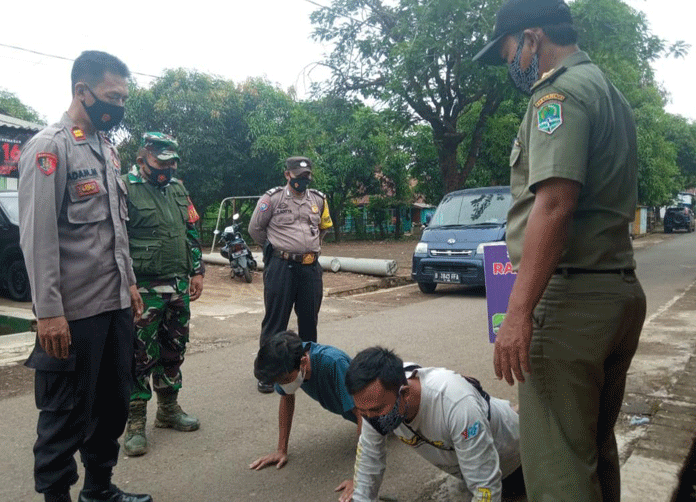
point(161, 336)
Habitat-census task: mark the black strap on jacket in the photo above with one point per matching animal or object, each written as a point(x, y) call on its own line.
point(476, 384)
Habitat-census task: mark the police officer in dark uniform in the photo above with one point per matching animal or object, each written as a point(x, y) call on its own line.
point(72, 210)
point(290, 222)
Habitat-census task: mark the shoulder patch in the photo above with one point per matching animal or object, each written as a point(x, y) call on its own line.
point(320, 194)
point(274, 190)
point(550, 117)
point(192, 213)
point(46, 162)
point(263, 207)
point(552, 96)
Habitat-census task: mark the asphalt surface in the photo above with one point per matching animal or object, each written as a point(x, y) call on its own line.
point(445, 329)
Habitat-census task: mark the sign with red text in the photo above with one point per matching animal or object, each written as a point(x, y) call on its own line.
point(10, 148)
point(499, 280)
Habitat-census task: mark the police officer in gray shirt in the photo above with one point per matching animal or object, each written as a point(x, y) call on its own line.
point(290, 222)
point(72, 209)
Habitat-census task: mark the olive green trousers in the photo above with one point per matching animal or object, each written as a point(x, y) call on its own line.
point(586, 330)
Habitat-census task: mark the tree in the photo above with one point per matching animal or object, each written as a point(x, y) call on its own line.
point(415, 57)
point(12, 106)
point(347, 152)
point(618, 39)
point(223, 151)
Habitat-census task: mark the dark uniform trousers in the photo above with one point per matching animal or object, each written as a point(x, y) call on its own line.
point(83, 401)
point(586, 331)
point(287, 283)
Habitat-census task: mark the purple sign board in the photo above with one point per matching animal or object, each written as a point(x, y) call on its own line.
point(499, 280)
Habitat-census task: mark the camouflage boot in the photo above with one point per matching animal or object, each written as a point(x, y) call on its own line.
point(135, 442)
point(170, 414)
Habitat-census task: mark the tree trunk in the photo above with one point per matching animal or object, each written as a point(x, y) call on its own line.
point(453, 175)
point(449, 165)
point(398, 231)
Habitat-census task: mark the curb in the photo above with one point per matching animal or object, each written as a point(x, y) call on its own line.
point(663, 383)
point(373, 285)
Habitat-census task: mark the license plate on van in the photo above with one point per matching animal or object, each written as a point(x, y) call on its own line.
point(447, 277)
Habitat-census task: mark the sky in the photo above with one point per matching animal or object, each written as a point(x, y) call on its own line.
point(236, 39)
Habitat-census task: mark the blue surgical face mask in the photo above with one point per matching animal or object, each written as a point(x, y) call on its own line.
point(523, 80)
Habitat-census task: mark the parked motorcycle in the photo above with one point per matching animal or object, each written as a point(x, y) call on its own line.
point(236, 250)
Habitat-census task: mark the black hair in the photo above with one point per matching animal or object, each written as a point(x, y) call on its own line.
point(90, 67)
point(375, 363)
point(561, 34)
point(280, 355)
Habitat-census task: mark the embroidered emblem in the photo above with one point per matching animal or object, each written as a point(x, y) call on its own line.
point(87, 188)
point(549, 117)
point(472, 432)
point(315, 208)
point(46, 162)
point(554, 96)
point(193, 214)
point(78, 134)
point(115, 160)
point(263, 207)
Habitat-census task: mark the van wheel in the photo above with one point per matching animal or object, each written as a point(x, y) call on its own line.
point(18, 281)
point(427, 287)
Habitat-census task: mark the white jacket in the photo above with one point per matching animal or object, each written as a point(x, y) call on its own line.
point(452, 431)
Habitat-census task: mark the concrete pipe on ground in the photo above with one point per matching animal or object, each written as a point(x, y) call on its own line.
point(368, 266)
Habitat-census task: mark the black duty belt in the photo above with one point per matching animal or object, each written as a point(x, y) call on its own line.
point(303, 258)
point(573, 270)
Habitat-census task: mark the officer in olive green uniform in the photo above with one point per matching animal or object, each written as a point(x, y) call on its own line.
point(166, 254)
point(72, 211)
point(576, 310)
point(290, 223)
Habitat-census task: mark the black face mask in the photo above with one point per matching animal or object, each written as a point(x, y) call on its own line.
point(158, 177)
point(103, 115)
point(299, 184)
point(523, 80)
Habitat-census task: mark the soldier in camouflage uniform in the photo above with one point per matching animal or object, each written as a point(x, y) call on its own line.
point(166, 255)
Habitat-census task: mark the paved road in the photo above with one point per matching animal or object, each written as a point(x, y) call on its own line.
point(238, 424)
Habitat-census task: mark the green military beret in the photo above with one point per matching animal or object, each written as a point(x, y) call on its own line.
point(161, 145)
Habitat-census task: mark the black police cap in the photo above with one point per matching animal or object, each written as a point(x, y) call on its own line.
point(518, 15)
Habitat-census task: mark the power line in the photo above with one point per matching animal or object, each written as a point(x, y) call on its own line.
point(62, 58)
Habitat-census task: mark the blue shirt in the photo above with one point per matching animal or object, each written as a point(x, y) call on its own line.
point(327, 383)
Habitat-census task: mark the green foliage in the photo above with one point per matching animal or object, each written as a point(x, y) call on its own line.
point(12, 106)
point(228, 138)
point(415, 56)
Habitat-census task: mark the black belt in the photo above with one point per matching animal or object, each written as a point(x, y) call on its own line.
point(573, 270)
point(304, 258)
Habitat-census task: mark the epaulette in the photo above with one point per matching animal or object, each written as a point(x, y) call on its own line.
point(549, 77)
point(274, 190)
point(320, 194)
